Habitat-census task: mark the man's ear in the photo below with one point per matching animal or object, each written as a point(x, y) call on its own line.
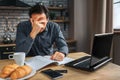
point(48, 18)
point(31, 20)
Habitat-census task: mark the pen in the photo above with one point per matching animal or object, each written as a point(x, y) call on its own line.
point(61, 71)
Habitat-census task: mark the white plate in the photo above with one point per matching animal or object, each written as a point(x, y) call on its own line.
point(26, 77)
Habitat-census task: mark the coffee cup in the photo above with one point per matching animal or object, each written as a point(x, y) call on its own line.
point(19, 58)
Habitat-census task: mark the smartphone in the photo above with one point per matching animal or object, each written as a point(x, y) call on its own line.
point(52, 74)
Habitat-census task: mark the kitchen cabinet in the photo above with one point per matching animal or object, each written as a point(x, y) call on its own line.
point(72, 45)
point(64, 15)
point(6, 50)
point(61, 16)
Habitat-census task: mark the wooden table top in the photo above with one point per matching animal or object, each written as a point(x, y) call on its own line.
point(108, 72)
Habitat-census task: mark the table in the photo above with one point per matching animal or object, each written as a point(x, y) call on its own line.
point(108, 72)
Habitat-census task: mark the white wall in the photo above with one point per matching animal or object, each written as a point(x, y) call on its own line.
point(81, 25)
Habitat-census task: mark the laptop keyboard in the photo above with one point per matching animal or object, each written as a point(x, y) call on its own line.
point(96, 61)
point(86, 64)
point(84, 61)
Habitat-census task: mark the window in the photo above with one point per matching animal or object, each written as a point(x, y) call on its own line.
point(116, 14)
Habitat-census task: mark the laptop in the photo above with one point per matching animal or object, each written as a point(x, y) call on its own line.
point(100, 54)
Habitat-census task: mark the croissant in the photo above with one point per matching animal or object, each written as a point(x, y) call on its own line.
point(7, 70)
point(21, 72)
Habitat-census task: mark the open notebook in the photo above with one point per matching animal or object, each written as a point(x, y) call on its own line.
point(39, 62)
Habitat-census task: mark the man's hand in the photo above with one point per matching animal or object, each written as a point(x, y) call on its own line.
point(58, 56)
point(37, 27)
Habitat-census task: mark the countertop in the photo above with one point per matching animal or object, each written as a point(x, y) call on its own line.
point(108, 72)
point(7, 45)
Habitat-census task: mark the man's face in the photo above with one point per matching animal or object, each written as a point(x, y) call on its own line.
point(41, 18)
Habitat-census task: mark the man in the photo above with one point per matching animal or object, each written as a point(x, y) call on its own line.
point(37, 36)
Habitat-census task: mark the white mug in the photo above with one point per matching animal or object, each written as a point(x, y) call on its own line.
point(19, 58)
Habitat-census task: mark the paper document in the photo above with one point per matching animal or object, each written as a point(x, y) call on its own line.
point(39, 62)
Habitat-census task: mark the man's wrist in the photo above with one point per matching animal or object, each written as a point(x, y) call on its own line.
point(62, 53)
point(32, 35)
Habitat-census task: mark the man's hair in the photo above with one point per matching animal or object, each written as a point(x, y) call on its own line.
point(39, 9)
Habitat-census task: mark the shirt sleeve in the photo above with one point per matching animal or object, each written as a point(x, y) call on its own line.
point(23, 42)
point(60, 41)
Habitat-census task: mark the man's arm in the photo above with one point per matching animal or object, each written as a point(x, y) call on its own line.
point(60, 42)
point(23, 42)
point(61, 45)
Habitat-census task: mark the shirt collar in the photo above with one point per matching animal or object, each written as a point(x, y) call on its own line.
point(46, 29)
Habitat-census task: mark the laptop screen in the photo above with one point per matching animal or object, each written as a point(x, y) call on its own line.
point(101, 47)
